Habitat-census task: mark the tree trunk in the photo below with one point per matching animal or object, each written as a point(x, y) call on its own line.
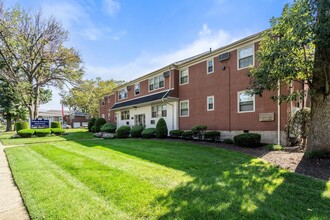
point(8, 128)
point(319, 131)
point(36, 101)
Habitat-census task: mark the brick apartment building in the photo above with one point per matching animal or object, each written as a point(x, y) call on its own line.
point(208, 89)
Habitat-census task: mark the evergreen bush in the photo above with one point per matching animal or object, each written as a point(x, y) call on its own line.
point(91, 123)
point(21, 125)
point(187, 134)
point(199, 130)
point(148, 133)
point(176, 133)
point(98, 123)
point(136, 131)
point(26, 133)
point(161, 128)
point(247, 140)
point(212, 135)
point(57, 131)
point(108, 128)
point(42, 132)
point(55, 124)
point(123, 131)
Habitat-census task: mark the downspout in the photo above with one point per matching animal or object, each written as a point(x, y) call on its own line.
point(278, 113)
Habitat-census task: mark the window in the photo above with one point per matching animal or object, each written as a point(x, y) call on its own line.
point(102, 116)
point(184, 77)
point(245, 102)
point(158, 111)
point(210, 103)
point(109, 99)
point(245, 57)
point(156, 82)
point(123, 94)
point(210, 66)
point(136, 88)
point(184, 108)
point(125, 115)
point(109, 115)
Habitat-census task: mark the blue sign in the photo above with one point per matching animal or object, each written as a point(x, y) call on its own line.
point(39, 123)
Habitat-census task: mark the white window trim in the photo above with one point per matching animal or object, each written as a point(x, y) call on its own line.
point(253, 56)
point(207, 103)
point(154, 82)
point(119, 93)
point(254, 102)
point(181, 84)
point(139, 88)
point(183, 116)
point(207, 66)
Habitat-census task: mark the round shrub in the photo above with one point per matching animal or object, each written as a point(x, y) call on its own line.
point(161, 128)
point(55, 124)
point(247, 140)
point(21, 125)
point(98, 123)
point(42, 132)
point(93, 129)
point(187, 134)
point(26, 133)
point(91, 123)
point(123, 131)
point(199, 130)
point(176, 133)
point(148, 133)
point(212, 135)
point(108, 128)
point(136, 131)
point(57, 131)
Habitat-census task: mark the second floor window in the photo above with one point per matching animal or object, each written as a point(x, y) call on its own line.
point(156, 82)
point(184, 77)
point(245, 57)
point(125, 115)
point(123, 93)
point(158, 111)
point(136, 88)
point(210, 66)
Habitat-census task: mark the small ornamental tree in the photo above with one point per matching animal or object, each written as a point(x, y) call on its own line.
point(161, 128)
point(91, 123)
point(98, 123)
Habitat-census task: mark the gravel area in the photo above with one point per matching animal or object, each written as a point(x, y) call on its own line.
point(292, 160)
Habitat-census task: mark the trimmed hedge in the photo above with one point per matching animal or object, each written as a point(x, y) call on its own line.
point(123, 131)
point(57, 131)
point(247, 140)
point(93, 129)
point(176, 133)
point(55, 124)
point(148, 133)
point(26, 133)
point(42, 132)
point(161, 128)
point(199, 130)
point(91, 123)
point(108, 128)
point(212, 135)
point(98, 123)
point(136, 131)
point(187, 134)
point(21, 125)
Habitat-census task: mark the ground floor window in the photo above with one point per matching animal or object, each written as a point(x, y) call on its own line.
point(125, 115)
point(245, 102)
point(184, 108)
point(158, 111)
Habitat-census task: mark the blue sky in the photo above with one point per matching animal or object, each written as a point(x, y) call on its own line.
point(125, 39)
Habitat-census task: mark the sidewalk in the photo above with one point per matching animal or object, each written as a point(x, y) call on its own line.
point(11, 203)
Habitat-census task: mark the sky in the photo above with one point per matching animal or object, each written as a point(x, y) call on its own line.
point(125, 39)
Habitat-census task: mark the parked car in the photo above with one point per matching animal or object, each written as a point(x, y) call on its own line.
point(66, 126)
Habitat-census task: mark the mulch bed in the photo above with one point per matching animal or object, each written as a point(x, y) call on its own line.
point(292, 160)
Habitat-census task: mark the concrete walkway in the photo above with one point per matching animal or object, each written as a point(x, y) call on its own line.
point(11, 203)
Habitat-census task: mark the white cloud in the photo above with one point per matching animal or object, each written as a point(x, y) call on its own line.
point(148, 62)
point(111, 7)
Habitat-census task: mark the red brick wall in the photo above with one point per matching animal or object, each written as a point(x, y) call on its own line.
point(105, 108)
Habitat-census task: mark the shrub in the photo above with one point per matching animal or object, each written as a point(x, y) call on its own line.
point(42, 132)
point(108, 128)
point(93, 129)
point(247, 140)
point(161, 128)
point(148, 133)
point(199, 130)
point(212, 135)
point(136, 131)
point(91, 123)
point(57, 131)
point(21, 125)
point(55, 124)
point(228, 141)
point(98, 123)
point(25, 133)
point(176, 133)
point(187, 134)
point(274, 147)
point(123, 131)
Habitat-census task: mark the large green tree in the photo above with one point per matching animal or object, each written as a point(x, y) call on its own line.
point(85, 96)
point(297, 48)
point(33, 55)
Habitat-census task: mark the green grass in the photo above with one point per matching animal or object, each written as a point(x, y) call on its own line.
point(148, 179)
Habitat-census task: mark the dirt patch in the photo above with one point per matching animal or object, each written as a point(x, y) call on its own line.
point(292, 160)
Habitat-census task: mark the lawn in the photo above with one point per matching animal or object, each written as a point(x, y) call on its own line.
point(152, 179)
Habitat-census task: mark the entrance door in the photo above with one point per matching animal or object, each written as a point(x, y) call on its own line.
point(140, 120)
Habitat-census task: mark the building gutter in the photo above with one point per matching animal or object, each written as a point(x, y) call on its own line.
point(278, 113)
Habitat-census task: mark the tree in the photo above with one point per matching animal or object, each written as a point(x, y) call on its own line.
point(297, 48)
point(33, 55)
point(85, 97)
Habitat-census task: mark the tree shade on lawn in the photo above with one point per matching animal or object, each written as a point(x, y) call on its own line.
point(130, 179)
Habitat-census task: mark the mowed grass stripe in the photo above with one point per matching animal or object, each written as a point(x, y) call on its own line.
point(158, 175)
point(60, 195)
point(129, 193)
